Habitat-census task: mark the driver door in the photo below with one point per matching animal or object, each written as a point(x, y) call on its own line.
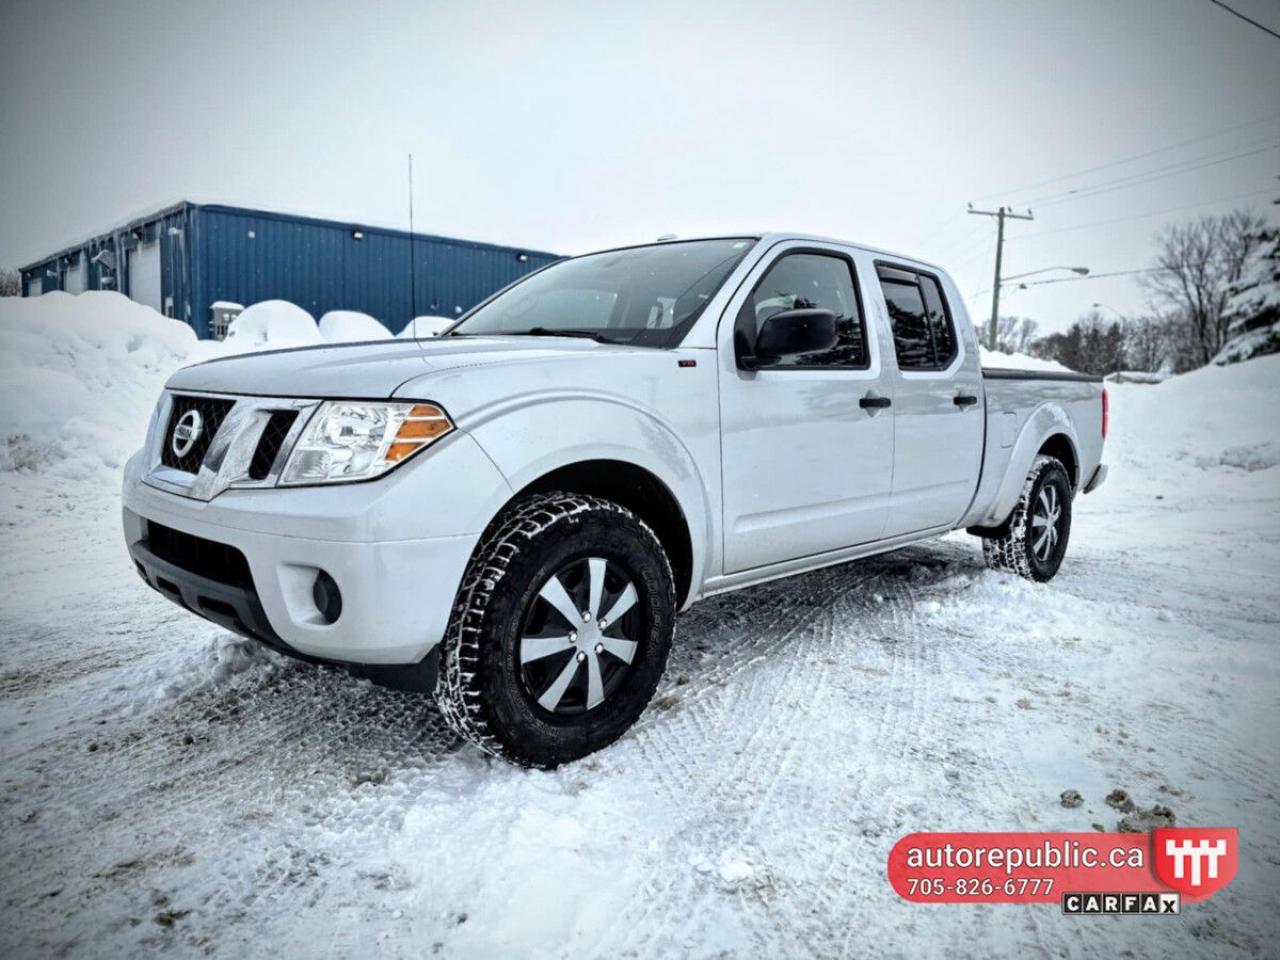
point(806, 443)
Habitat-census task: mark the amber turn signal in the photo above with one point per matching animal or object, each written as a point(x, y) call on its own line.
point(424, 423)
point(422, 429)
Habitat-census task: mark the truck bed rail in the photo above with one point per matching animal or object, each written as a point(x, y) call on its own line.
point(998, 373)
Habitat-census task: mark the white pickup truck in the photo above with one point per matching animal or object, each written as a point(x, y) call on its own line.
point(512, 514)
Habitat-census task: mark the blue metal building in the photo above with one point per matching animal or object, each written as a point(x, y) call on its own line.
point(183, 259)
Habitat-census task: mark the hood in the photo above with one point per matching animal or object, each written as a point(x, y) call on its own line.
point(371, 370)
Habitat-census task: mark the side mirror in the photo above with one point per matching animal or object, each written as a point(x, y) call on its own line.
point(791, 332)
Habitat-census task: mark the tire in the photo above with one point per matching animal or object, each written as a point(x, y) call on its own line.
point(510, 644)
point(1020, 546)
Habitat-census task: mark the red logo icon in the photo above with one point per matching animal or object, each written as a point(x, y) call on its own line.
point(1195, 861)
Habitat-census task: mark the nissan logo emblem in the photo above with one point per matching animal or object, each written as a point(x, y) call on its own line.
point(186, 432)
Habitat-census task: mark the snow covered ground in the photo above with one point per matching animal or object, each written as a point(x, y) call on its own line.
point(166, 787)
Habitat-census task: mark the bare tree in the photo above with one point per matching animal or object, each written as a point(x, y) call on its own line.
point(1198, 263)
point(1147, 342)
point(1014, 333)
point(10, 282)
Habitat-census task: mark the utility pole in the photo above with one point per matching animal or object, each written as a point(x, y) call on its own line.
point(1001, 215)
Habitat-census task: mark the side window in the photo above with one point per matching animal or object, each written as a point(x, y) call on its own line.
point(923, 335)
point(806, 281)
point(944, 336)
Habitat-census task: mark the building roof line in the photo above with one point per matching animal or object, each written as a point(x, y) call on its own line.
point(138, 221)
point(131, 224)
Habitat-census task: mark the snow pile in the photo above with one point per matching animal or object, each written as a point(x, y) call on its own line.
point(272, 325)
point(423, 327)
point(998, 360)
point(78, 376)
point(351, 326)
point(1213, 418)
point(281, 325)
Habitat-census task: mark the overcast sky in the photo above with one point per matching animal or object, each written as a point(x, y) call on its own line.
point(568, 127)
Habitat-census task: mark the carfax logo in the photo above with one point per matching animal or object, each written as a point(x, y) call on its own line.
point(1122, 903)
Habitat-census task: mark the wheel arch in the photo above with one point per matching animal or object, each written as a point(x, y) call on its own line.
point(640, 491)
point(1062, 447)
point(1048, 430)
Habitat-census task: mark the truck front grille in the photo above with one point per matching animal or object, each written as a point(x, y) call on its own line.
point(273, 434)
point(211, 411)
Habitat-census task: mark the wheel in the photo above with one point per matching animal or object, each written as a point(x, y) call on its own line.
point(560, 631)
point(1034, 541)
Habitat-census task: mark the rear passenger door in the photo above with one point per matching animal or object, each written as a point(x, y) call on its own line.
point(938, 421)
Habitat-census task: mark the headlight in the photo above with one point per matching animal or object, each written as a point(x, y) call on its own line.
point(359, 441)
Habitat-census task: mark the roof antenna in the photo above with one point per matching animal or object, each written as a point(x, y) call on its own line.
point(413, 266)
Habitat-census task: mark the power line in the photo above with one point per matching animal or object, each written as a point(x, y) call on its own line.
point(1137, 156)
point(1246, 19)
point(1177, 165)
point(1143, 216)
point(1149, 176)
point(962, 243)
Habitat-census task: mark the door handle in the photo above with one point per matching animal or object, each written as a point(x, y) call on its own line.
point(964, 401)
point(874, 403)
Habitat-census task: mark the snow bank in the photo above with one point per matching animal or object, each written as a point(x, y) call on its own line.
point(429, 326)
point(351, 326)
point(999, 360)
point(1212, 419)
point(79, 376)
point(272, 325)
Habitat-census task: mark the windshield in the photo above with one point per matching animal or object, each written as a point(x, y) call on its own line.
point(646, 296)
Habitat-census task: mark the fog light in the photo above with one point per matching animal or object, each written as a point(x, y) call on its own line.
point(327, 597)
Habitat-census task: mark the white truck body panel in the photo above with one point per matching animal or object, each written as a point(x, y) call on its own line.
point(805, 469)
point(773, 471)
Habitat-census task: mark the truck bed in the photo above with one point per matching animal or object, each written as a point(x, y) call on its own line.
point(1057, 401)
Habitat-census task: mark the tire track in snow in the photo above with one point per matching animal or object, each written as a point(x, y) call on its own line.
point(838, 618)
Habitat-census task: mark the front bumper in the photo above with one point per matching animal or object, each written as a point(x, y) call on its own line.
point(396, 597)
point(396, 548)
point(237, 607)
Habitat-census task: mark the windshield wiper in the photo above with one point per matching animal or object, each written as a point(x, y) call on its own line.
point(548, 332)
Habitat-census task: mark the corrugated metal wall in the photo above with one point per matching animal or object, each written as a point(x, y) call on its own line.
point(168, 227)
point(211, 253)
point(246, 256)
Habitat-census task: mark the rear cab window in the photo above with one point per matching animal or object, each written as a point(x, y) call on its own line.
point(924, 335)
